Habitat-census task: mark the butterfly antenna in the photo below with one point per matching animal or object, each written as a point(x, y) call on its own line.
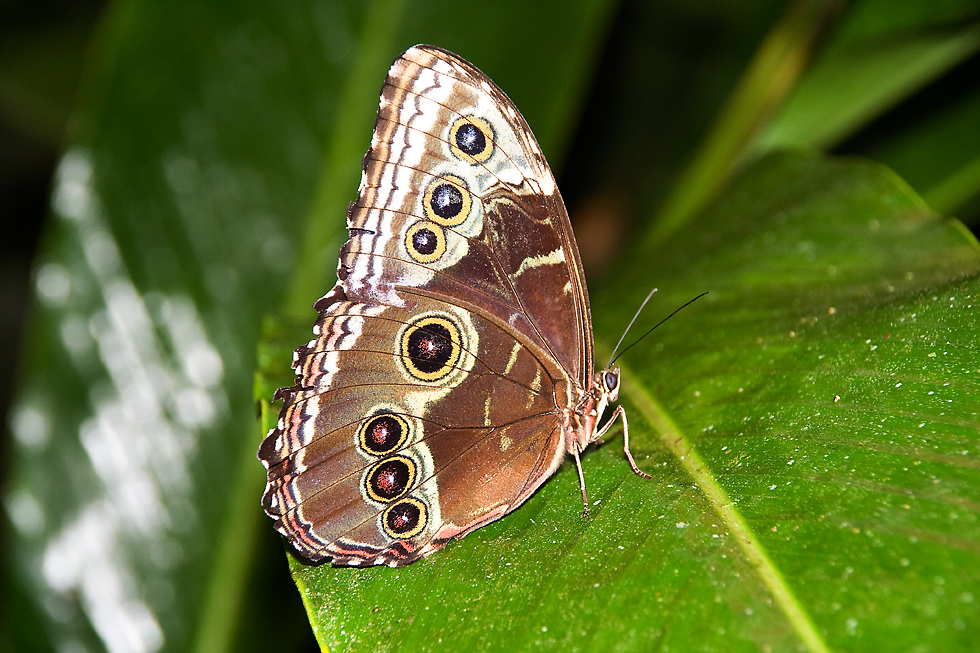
point(628, 326)
point(673, 313)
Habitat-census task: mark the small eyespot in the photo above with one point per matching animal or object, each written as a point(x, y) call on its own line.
point(383, 433)
point(472, 139)
point(405, 519)
point(425, 242)
point(447, 201)
point(390, 478)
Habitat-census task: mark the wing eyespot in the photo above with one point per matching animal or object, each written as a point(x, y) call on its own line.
point(430, 348)
point(447, 201)
point(405, 519)
point(383, 433)
point(471, 139)
point(425, 242)
point(390, 478)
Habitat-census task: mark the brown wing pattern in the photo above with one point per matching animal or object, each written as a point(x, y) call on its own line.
point(481, 434)
point(430, 401)
point(510, 249)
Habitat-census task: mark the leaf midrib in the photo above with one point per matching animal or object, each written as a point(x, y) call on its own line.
point(678, 444)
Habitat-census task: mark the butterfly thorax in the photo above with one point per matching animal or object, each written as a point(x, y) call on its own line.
point(581, 422)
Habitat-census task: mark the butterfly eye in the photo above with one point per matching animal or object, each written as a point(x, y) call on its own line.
point(611, 381)
point(405, 519)
point(390, 478)
point(447, 201)
point(473, 137)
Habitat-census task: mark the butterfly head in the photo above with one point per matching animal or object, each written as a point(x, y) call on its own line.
point(581, 422)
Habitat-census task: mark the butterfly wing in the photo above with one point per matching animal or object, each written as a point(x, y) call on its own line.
point(457, 197)
point(430, 402)
point(363, 442)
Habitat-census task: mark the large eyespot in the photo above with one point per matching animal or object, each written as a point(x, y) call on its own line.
point(430, 347)
point(383, 434)
point(447, 201)
point(425, 241)
point(405, 519)
point(472, 137)
point(390, 478)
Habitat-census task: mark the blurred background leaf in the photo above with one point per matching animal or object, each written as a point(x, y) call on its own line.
point(202, 171)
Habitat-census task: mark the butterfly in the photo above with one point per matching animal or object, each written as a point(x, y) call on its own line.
point(452, 368)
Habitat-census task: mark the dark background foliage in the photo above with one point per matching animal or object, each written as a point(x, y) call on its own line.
point(222, 141)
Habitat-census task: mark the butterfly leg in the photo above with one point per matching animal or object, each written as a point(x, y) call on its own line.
point(581, 481)
point(620, 412)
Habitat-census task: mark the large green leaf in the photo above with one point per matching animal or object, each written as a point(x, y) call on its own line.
point(811, 427)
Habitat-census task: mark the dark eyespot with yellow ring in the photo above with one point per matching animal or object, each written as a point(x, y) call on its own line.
point(471, 139)
point(425, 241)
point(447, 201)
point(383, 433)
point(405, 519)
point(430, 348)
point(389, 479)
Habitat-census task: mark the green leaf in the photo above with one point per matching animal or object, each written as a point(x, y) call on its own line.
point(811, 427)
point(774, 71)
point(873, 60)
point(852, 83)
point(939, 152)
